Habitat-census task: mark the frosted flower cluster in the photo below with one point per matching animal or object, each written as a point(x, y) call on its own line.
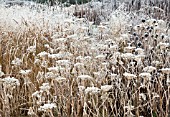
point(47, 107)
point(106, 88)
point(129, 76)
point(25, 72)
point(16, 62)
point(84, 62)
point(84, 77)
point(92, 90)
point(10, 81)
point(45, 87)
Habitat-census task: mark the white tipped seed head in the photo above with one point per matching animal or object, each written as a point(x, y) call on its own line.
point(166, 70)
point(11, 81)
point(60, 79)
point(149, 69)
point(45, 87)
point(31, 49)
point(47, 107)
point(92, 90)
point(128, 56)
point(30, 111)
point(43, 54)
point(145, 75)
point(16, 62)
point(25, 72)
point(85, 77)
point(106, 88)
point(129, 76)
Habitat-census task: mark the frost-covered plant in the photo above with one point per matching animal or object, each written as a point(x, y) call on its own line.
point(56, 64)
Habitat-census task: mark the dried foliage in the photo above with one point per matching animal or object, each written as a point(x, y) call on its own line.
point(55, 64)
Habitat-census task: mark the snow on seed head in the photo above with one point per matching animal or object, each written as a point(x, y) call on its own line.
point(59, 40)
point(25, 72)
point(156, 63)
point(102, 28)
point(37, 61)
point(149, 69)
point(100, 57)
point(128, 56)
point(44, 64)
point(142, 96)
point(30, 111)
point(78, 64)
point(114, 47)
point(63, 62)
point(129, 108)
point(16, 62)
point(43, 54)
point(81, 88)
point(139, 50)
point(129, 49)
point(47, 45)
point(80, 59)
point(60, 79)
point(53, 69)
point(145, 75)
point(87, 58)
point(155, 95)
point(166, 70)
point(92, 90)
point(11, 81)
point(47, 107)
point(55, 56)
point(36, 94)
point(138, 58)
point(31, 49)
point(50, 75)
point(106, 88)
point(45, 87)
point(85, 77)
point(163, 45)
point(129, 76)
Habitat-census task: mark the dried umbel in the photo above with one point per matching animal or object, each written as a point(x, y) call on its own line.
point(47, 107)
point(10, 82)
point(106, 88)
point(92, 90)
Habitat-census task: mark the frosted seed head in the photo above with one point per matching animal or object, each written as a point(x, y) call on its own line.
point(166, 70)
point(106, 88)
point(129, 76)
